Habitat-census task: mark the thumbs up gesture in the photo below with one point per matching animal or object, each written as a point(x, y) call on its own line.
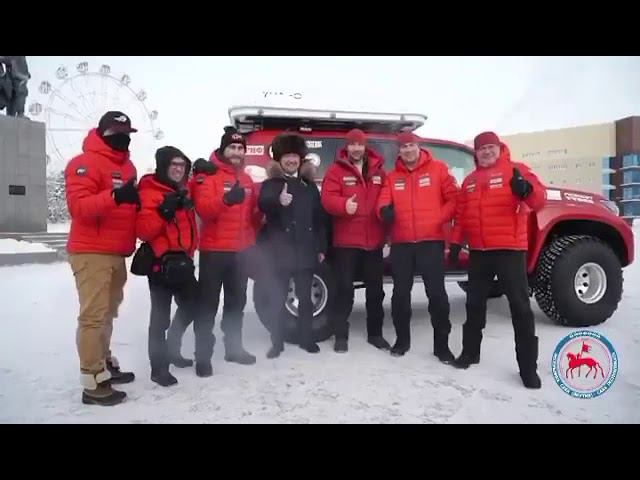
point(285, 197)
point(519, 186)
point(234, 196)
point(351, 205)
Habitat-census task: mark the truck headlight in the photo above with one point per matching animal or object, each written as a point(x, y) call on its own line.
point(612, 206)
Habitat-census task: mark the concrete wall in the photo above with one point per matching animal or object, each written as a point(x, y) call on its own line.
point(23, 163)
point(568, 157)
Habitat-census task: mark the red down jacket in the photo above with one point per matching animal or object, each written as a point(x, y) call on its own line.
point(423, 199)
point(488, 215)
point(343, 180)
point(178, 235)
point(225, 228)
point(98, 225)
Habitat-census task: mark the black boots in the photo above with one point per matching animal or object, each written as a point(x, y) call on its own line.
point(341, 345)
point(527, 357)
point(118, 376)
point(234, 352)
point(471, 341)
point(441, 347)
point(379, 342)
point(400, 348)
point(203, 369)
point(240, 356)
point(310, 347)
point(163, 377)
point(180, 362)
point(275, 350)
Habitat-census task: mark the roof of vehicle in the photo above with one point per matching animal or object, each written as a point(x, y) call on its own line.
point(251, 118)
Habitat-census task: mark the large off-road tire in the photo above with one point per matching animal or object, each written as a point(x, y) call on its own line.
point(321, 291)
point(578, 281)
point(496, 288)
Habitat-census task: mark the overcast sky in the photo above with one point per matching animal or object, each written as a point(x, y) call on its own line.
point(460, 95)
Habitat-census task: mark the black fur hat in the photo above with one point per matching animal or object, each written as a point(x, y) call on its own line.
point(288, 143)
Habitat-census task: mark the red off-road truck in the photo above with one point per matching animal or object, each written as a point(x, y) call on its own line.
point(578, 243)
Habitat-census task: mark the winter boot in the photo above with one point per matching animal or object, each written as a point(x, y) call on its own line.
point(341, 345)
point(163, 377)
point(527, 356)
point(240, 356)
point(234, 352)
point(471, 341)
point(275, 350)
point(180, 362)
point(203, 369)
point(98, 391)
point(399, 348)
point(118, 376)
point(310, 347)
point(379, 342)
point(441, 347)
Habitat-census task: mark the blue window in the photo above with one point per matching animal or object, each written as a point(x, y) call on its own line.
point(631, 176)
point(606, 162)
point(631, 193)
point(632, 160)
point(631, 209)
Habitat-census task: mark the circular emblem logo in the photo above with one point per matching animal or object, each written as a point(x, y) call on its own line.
point(584, 364)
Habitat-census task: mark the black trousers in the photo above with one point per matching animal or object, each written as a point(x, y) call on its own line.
point(164, 344)
point(276, 312)
point(511, 268)
point(425, 259)
point(347, 262)
point(220, 270)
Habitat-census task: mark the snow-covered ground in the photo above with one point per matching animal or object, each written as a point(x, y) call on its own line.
point(58, 227)
point(39, 368)
point(9, 246)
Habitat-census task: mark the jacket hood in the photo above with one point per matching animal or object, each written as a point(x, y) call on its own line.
point(374, 160)
point(424, 159)
point(93, 143)
point(504, 158)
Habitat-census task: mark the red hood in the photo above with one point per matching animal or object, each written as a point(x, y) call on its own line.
point(425, 158)
point(150, 181)
point(94, 144)
point(504, 158)
point(223, 165)
point(375, 160)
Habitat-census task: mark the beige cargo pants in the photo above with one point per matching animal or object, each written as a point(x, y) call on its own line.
point(100, 280)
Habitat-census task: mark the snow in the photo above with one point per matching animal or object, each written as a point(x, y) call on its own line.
point(39, 368)
point(59, 227)
point(9, 246)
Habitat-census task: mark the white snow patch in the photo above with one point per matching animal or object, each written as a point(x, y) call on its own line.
point(59, 227)
point(9, 246)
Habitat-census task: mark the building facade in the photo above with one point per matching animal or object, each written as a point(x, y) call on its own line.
point(602, 159)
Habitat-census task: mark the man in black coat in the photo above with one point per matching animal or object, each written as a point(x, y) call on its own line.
point(295, 237)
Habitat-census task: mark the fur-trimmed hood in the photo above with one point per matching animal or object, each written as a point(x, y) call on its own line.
point(307, 171)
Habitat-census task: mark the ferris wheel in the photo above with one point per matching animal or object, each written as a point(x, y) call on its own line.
point(75, 104)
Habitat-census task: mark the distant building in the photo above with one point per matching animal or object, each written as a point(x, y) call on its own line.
point(603, 158)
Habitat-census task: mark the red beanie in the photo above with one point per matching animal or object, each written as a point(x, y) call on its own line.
point(356, 136)
point(485, 138)
point(406, 137)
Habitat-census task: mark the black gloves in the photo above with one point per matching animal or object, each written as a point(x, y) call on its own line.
point(235, 195)
point(519, 186)
point(203, 166)
point(128, 193)
point(454, 254)
point(388, 214)
point(171, 203)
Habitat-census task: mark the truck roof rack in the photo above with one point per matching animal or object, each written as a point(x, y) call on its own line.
point(251, 118)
